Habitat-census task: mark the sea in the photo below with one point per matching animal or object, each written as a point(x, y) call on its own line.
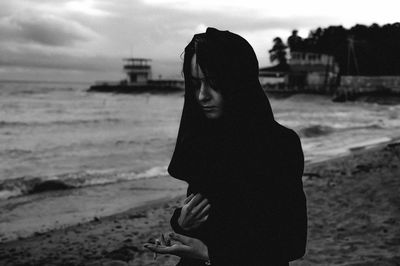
point(67, 155)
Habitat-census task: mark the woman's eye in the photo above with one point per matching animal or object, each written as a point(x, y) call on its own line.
point(212, 82)
point(196, 84)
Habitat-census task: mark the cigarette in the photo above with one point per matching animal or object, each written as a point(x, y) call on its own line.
point(163, 240)
point(155, 253)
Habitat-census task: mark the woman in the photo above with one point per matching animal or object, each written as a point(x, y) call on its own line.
point(245, 202)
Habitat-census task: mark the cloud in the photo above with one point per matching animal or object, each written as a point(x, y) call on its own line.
point(383, 10)
point(150, 27)
point(85, 39)
point(92, 8)
point(88, 7)
point(93, 35)
point(43, 29)
point(34, 58)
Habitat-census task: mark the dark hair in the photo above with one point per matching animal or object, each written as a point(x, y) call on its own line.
point(207, 60)
point(229, 65)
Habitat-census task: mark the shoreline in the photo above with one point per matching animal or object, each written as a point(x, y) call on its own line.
point(120, 236)
point(61, 209)
point(49, 211)
point(356, 149)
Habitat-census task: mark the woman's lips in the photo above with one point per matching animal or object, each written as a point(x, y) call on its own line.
point(208, 108)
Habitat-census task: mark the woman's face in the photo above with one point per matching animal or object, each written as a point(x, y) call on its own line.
point(209, 99)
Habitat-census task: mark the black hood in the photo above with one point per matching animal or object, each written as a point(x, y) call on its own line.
point(206, 149)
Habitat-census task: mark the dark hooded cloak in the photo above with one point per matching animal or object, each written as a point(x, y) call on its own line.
point(247, 165)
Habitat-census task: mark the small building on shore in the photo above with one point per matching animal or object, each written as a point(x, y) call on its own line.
point(274, 78)
point(313, 72)
point(304, 72)
point(138, 70)
point(138, 79)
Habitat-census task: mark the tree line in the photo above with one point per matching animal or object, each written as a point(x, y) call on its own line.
point(360, 50)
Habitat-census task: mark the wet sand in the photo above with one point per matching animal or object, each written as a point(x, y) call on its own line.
point(42, 212)
point(354, 219)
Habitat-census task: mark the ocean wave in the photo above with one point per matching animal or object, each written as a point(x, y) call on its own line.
point(15, 153)
point(4, 124)
point(316, 131)
point(32, 185)
point(35, 89)
point(323, 130)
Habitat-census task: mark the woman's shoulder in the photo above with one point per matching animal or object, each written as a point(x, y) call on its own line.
point(289, 151)
point(287, 145)
point(285, 135)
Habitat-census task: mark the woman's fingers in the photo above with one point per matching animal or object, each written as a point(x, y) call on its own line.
point(180, 238)
point(180, 250)
point(188, 198)
point(184, 246)
point(193, 212)
point(159, 249)
point(194, 201)
point(200, 221)
point(203, 212)
point(199, 207)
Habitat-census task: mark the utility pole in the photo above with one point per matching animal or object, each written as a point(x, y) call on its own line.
point(351, 53)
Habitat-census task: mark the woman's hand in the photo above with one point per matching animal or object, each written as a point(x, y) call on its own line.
point(194, 212)
point(182, 246)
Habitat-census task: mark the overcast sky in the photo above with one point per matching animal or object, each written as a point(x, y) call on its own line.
point(84, 40)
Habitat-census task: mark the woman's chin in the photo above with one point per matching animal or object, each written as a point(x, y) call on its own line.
point(213, 115)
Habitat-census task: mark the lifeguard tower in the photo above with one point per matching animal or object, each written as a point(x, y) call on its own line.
point(138, 70)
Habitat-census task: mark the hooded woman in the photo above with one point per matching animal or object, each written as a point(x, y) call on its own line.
point(245, 202)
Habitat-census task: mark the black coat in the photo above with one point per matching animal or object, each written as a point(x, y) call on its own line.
point(247, 165)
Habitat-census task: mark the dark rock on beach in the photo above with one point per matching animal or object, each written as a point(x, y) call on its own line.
point(49, 185)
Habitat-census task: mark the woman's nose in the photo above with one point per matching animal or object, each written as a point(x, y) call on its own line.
point(204, 93)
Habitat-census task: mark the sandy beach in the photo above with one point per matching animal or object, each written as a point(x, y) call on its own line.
point(353, 208)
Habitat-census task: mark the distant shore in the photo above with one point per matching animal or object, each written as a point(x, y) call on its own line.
point(383, 98)
point(353, 207)
point(44, 81)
